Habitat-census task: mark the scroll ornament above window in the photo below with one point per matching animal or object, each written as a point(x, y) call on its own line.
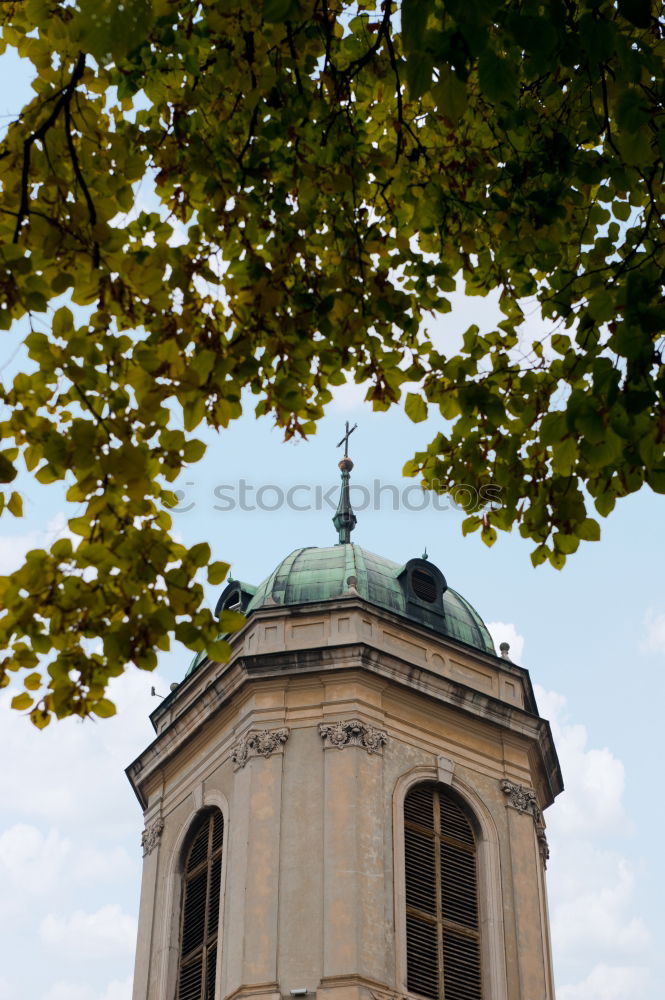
point(258, 743)
point(525, 801)
point(353, 733)
point(151, 836)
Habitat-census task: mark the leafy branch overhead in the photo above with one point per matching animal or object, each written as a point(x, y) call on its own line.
point(208, 196)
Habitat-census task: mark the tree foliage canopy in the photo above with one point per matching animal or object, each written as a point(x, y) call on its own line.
point(210, 196)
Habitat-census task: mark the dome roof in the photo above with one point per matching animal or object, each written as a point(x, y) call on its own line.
point(416, 590)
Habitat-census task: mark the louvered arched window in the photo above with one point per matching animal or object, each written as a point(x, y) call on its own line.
point(200, 909)
point(442, 930)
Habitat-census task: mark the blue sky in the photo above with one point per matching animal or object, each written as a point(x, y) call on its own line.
point(592, 636)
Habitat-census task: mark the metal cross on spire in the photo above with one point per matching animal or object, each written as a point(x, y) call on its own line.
point(344, 519)
point(345, 439)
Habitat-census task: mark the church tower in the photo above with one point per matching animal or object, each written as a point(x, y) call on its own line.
point(350, 808)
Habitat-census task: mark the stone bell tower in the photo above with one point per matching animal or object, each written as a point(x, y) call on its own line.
point(350, 808)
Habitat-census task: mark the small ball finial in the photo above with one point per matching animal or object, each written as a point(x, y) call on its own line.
point(504, 648)
point(346, 464)
point(425, 556)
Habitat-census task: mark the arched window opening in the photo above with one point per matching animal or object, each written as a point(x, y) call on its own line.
point(200, 909)
point(442, 927)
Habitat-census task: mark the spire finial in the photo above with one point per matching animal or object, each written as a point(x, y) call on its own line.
point(345, 520)
point(345, 439)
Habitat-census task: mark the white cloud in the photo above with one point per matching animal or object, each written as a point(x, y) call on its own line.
point(73, 771)
point(36, 863)
point(608, 982)
point(506, 632)
point(119, 990)
point(594, 778)
point(349, 396)
point(30, 860)
point(14, 547)
point(654, 641)
point(90, 936)
point(63, 990)
point(594, 916)
point(69, 991)
point(593, 904)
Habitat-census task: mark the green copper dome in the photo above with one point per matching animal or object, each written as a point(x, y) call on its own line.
point(416, 591)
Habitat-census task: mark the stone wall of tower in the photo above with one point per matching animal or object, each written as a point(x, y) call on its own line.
point(313, 892)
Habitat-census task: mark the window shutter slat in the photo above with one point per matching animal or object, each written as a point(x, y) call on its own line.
point(200, 909)
point(442, 927)
point(211, 973)
point(419, 806)
point(422, 948)
point(195, 911)
point(458, 892)
point(461, 967)
point(420, 871)
point(215, 886)
point(191, 979)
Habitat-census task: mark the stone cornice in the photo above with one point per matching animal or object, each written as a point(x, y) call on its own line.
point(216, 692)
point(348, 602)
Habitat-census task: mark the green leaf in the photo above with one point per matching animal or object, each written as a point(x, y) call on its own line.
point(7, 469)
point(450, 95)
point(638, 12)
point(194, 451)
point(539, 555)
point(231, 621)
point(415, 15)
point(15, 505)
point(419, 68)
point(199, 554)
point(219, 650)
point(415, 407)
point(605, 503)
point(22, 701)
point(104, 708)
point(498, 77)
point(276, 11)
point(217, 572)
point(564, 456)
point(63, 322)
point(589, 530)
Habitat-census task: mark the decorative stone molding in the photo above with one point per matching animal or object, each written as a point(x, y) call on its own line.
point(543, 846)
point(258, 743)
point(151, 836)
point(445, 769)
point(386, 995)
point(353, 733)
point(525, 801)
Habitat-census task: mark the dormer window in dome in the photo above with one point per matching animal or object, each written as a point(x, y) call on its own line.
point(235, 596)
point(423, 582)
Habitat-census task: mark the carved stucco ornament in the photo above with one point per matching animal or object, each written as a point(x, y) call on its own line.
point(151, 836)
point(525, 800)
point(258, 743)
point(353, 733)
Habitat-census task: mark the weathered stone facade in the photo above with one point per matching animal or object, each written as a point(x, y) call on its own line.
point(308, 740)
